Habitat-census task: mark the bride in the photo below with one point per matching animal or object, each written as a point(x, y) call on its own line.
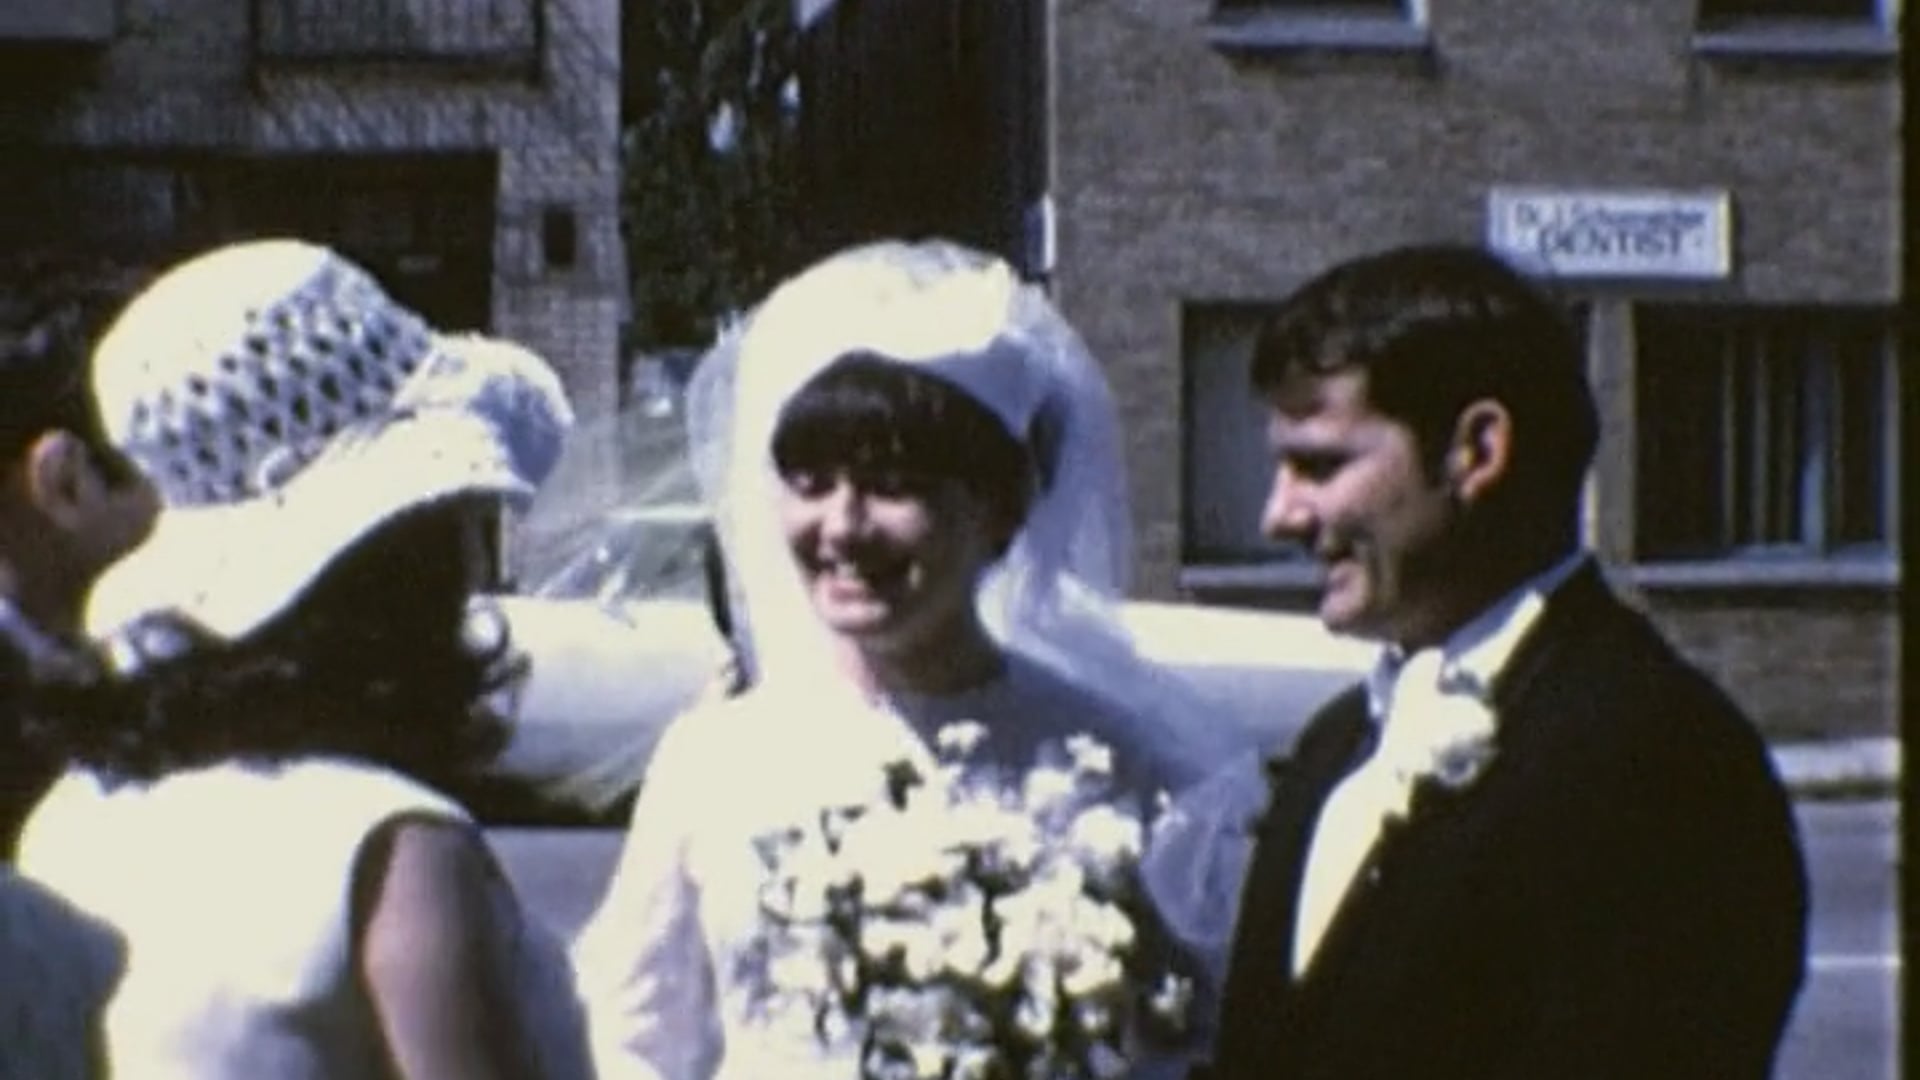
point(915, 471)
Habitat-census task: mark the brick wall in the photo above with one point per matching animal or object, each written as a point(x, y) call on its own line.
point(1182, 173)
point(1801, 664)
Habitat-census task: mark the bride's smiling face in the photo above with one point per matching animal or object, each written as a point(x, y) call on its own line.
point(889, 560)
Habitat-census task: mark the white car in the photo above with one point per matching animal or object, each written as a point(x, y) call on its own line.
point(622, 638)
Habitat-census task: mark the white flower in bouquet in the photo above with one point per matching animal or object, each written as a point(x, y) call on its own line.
point(974, 1063)
point(889, 850)
point(1172, 999)
point(961, 930)
point(1038, 1011)
point(1094, 1018)
point(982, 823)
point(1108, 838)
point(1163, 811)
point(1089, 758)
point(1010, 848)
point(1018, 942)
point(794, 968)
point(911, 1013)
point(915, 946)
point(1048, 788)
point(959, 741)
point(1092, 972)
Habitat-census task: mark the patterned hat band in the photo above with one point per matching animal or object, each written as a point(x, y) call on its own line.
point(327, 358)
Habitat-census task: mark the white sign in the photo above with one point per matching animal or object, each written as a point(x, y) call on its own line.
point(1613, 234)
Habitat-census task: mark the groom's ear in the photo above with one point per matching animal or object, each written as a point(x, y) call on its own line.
point(1480, 455)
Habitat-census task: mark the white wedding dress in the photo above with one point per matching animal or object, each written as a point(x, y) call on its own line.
point(660, 965)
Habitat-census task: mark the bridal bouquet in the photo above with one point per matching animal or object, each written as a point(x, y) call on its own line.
point(969, 925)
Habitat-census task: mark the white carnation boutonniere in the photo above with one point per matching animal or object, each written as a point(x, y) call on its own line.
point(1453, 741)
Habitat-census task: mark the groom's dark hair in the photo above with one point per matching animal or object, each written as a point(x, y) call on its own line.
point(868, 413)
point(1436, 327)
point(51, 311)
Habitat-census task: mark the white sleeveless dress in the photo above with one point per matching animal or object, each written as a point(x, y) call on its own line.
point(231, 886)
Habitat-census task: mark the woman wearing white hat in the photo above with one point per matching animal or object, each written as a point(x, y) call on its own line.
point(290, 665)
point(916, 476)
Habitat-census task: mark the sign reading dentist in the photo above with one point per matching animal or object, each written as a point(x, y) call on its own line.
point(1613, 234)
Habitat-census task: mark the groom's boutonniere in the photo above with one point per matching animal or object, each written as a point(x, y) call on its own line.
point(1454, 744)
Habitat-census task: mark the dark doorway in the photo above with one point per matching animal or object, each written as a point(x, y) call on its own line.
point(926, 117)
point(423, 225)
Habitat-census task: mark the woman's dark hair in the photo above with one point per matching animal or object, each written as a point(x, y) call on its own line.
point(867, 412)
point(1435, 328)
point(52, 312)
point(380, 659)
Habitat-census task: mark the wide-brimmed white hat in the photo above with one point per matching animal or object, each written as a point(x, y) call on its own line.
point(285, 406)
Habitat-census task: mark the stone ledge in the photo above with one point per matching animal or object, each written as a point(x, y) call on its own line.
point(1815, 41)
point(1279, 32)
point(1842, 766)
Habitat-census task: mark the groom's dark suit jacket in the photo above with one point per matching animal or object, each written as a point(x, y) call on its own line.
point(1621, 894)
point(25, 771)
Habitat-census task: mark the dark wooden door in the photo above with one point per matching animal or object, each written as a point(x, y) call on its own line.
point(926, 117)
point(423, 225)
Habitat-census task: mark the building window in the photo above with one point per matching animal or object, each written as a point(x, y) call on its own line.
point(1364, 8)
point(1765, 434)
point(559, 238)
point(1225, 466)
point(1729, 11)
point(1833, 29)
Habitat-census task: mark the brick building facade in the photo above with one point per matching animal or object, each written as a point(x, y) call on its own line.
point(465, 150)
point(1208, 155)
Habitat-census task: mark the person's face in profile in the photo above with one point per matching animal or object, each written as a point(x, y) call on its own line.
point(95, 501)
point(1350, 488)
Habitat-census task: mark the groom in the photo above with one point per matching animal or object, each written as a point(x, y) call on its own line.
point(1536, 843)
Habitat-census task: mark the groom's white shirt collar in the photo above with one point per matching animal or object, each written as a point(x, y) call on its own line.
point(1479, 649)
point(1359, 805)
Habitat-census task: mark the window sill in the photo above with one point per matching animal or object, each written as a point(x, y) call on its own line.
point(1286, 32)
point(1279, 576)
point(1840, 41)
point(1862, 573)
point(1845, 573)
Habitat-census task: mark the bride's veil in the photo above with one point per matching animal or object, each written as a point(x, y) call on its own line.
point(1056, 593)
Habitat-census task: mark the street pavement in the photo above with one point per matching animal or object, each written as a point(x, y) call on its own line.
point(1843, 1029)
point(1857, 765)
point(1847, 1021)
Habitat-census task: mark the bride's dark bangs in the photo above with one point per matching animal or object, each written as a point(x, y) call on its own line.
point(866, 411)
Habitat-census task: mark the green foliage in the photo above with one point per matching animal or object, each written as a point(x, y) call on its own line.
point(710, 222)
